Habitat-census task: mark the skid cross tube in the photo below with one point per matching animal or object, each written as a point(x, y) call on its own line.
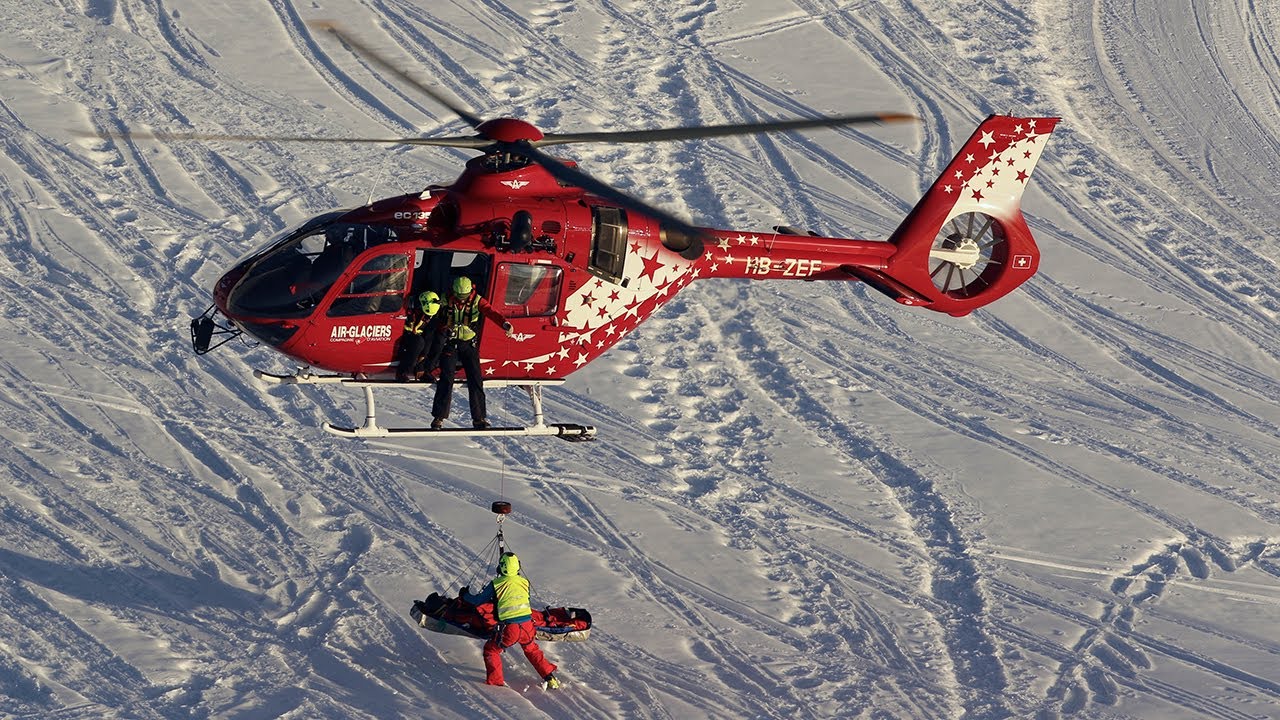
point(370, 427)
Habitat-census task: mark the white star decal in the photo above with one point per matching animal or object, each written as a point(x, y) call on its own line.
point(987, 140)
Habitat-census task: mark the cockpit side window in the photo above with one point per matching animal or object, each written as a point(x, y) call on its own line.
point(289, 278)
point(378, 287)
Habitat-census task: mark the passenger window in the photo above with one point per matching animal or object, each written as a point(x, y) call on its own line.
point(529, 290)
point(608, 243)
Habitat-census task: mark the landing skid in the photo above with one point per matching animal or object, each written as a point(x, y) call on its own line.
point(371, 429)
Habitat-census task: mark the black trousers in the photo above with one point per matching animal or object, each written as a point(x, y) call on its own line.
point(456, 352)
point(419, 353)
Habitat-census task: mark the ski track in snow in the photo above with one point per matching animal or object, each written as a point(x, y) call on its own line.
point(806, 501)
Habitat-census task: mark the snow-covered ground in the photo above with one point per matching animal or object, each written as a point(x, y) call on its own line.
point(806, 500)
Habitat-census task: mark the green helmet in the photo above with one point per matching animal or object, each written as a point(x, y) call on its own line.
point(429, 301)
point(508, 564)
point(462, 286)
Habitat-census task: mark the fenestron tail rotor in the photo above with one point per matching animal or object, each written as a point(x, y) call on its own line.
point(967, 248)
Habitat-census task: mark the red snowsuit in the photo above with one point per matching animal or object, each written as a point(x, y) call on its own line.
point(510, 595)
point(514, 634)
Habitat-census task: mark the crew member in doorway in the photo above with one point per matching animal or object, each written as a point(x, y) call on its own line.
point(463, 316)
point(421, 344)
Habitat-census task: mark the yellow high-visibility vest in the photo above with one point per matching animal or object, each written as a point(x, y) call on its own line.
point(511, 597)
point(462, 315)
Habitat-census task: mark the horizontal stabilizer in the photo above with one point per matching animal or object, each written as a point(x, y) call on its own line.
point(886, 284)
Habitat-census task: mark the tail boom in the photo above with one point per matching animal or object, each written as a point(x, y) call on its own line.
point(965, 243)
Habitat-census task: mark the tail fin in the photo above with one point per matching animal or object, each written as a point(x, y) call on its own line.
point(966, 243)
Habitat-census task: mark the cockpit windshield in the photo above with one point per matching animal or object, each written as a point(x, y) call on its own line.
point(289, 278)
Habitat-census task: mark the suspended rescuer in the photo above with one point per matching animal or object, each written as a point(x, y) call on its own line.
point(509, 593)
point(422, 341)
point(462, 318)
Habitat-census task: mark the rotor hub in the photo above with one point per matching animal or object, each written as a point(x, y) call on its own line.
point(509, 130)
point(963, 252)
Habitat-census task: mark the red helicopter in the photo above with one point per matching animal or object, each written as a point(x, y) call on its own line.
point(575, 264)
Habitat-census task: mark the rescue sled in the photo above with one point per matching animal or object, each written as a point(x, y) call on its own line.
point(455, 616)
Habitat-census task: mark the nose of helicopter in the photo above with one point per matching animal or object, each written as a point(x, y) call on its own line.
point(222, 290)
point(274, 329)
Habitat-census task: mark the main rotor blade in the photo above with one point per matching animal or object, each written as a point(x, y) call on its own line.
point(709, 131)
point(472, 141)
point(369, 53)
point(580, 179)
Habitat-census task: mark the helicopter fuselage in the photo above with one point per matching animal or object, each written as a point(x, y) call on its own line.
point(571, 273)
point(574, 274)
